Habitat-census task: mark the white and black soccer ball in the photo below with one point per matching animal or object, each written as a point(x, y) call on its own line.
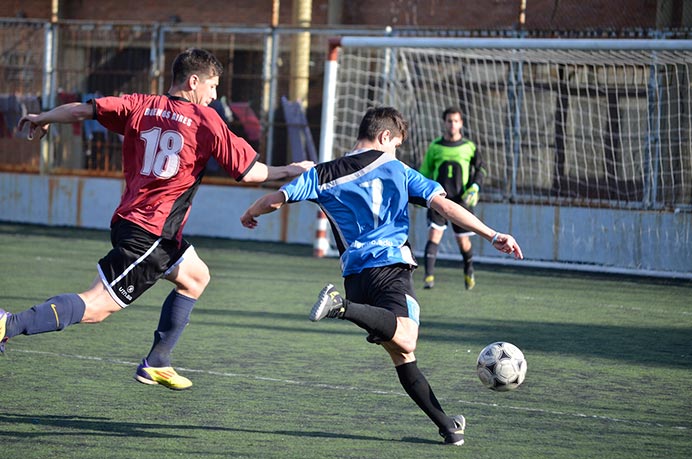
point(501, 366)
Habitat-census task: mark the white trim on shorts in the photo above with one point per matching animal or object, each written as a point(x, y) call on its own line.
point(436, 226)
point(109, 286)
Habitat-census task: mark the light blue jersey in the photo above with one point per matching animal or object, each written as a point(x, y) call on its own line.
point(365, 196)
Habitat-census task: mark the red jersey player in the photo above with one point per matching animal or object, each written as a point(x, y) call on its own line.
point(167, 141)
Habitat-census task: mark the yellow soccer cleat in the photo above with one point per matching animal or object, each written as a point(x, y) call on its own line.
point(429, 282)
point(3, 323)
point(166, 376)
point(469, 281)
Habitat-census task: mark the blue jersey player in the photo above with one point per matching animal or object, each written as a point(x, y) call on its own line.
point(365, 195)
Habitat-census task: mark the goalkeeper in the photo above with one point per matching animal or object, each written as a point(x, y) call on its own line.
point(456, 164)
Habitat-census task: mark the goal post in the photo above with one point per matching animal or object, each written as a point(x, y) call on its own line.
point(587, 139)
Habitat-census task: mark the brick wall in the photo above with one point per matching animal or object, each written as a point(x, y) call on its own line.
point(462, 14)
point(246, 12)
point(504, 14)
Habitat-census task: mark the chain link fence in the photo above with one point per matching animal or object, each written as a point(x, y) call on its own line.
point(46, 64)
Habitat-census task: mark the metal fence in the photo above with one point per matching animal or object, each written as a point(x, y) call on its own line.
point(47, 64)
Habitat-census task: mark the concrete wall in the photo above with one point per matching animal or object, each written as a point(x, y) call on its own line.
point(652, 243)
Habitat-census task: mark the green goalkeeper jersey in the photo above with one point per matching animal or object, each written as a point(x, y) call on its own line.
point(455, 165)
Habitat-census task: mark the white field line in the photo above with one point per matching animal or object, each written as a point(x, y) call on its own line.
point(359, 389)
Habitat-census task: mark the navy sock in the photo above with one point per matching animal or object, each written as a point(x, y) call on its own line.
point(430, 257)
point(379, 322)
point(468, 262)
point(175, 315)
point(418, 388)
point(54, 314)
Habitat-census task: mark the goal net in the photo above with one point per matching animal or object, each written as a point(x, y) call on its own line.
point(584, 124)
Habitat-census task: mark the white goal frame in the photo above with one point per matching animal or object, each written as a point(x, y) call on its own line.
point(662, 233)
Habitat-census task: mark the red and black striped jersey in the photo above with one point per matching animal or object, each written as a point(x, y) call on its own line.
point(167, 142)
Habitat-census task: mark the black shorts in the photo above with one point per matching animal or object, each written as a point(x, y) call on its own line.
point(437, 221)
point(138, 259)
point(388, 287)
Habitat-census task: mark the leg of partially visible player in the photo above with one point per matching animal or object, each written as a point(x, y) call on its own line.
point(464, 242)
point(435, 234)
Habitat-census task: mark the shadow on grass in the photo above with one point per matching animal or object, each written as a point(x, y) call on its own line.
point(664, 347)
point(555, 273)
point(200, 242)
point(101, 426)
point(305, 251)
point(15, 229)
point(652, 346)
point(647, 344)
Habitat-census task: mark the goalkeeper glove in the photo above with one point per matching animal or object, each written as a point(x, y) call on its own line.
point(470, 197)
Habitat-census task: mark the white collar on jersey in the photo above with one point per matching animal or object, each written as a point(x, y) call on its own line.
point(360, 150)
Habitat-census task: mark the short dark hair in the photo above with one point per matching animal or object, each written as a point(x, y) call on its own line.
point(380, 119)
point(451, 110)
point(195, 61)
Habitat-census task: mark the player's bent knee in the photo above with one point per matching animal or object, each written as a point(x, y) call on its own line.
point(404, 345)
point(191, 279)
point(408, 347)
point(199, 283)
point(205, 277)
point(406, 336)
point(200, 273)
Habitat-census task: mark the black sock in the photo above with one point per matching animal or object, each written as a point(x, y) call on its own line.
point(468, 261)
point(175, 315)
point(430, 257)
point(379, 322)
point(54, 314)
point(418, 388)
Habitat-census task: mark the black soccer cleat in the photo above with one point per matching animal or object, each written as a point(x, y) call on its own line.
point(455, 435)
point(329, 304)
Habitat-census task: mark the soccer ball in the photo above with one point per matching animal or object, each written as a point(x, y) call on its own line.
point(501, 366)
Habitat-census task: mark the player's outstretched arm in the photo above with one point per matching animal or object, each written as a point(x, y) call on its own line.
point(503, 242)
point(68, 113)
point(260, 172)
point(267, 203)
